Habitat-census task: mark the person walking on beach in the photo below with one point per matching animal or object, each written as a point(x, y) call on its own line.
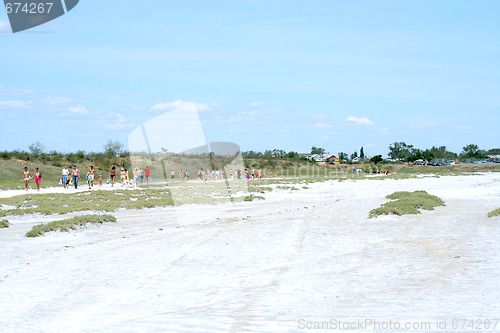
point(259, 173)
point(136, 176)
point(90, 177)
point(75, 174)
point(172, 175)
point(65, 176)
point(123, 176)
point(38, 178)
point(26, 177)
point(141, 176)
point(147, 173)
point(112, 175)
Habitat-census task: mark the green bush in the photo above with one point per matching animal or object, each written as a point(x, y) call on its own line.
point(69, 224)
point(252, 197)
point(404, 203)
point(4, 224)
point(495, 212)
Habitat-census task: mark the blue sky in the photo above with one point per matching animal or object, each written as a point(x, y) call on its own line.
point(263, 74)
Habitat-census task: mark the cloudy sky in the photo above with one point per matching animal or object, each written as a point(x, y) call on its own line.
point(262, 74)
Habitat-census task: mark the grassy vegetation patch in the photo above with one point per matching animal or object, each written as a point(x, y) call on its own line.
point(252, 197)
point(495, 212)
point(403, 203)
point(259, 189)
point(4, 224)
point(69, 224)
point(107, 201)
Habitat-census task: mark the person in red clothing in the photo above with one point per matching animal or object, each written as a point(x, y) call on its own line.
point(147, 173)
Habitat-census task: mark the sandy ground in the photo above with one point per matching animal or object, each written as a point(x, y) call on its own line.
point(284, 264)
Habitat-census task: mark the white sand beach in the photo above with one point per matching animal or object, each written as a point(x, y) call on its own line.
point(283, 264)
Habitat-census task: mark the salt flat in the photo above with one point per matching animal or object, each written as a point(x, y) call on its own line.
point(264, 266)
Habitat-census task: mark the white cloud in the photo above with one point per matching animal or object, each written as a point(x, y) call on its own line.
point(56, 100)
point(5, 26)
point(8, 91)
point(15, 104)
point(421, 124)
point(360, 121)
point(254, 104)
point(326, 138)
point(465, 129)
point(249, 114)
point(384, 130)
point(322, 125)
point(181, 105)
point(134, 108)
point(119, 122)
point(80, 109)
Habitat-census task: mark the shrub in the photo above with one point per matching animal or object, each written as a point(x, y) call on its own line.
point(252, 197)
point(4, 224)
point(69, 224)
point(404, 203)
point(495, 212)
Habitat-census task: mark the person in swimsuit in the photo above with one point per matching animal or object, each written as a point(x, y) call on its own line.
point(26, 177)
point(38, 178)
point(75, 173)
point(123, 177)
point(90, 177)
point(112, 175)
point(172, 175)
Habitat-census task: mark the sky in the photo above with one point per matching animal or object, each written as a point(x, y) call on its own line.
point(262, 74)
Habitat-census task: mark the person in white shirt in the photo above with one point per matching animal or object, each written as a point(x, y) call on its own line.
point(65, 174)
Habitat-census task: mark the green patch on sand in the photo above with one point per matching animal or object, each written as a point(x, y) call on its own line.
point(106, 201)
point(4, 224)
point(69, 224)
point(253, 197)
point(495, 212)
point(404, 203)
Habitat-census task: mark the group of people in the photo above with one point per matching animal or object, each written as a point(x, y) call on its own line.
point(217, 175)
point(139, 176)
point(27, 177)
point(232, 174)
point(73, 176)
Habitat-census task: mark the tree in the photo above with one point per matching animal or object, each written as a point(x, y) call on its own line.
point(113, 148)
point(494, 151)
point(400, 150)
point(36, 148)
point(342, 156)
point(473, 151)
point(317, 150)
point(362, 153)
point(377, 159)
point(354, 155)
point(292, 154)
point(278, 152)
